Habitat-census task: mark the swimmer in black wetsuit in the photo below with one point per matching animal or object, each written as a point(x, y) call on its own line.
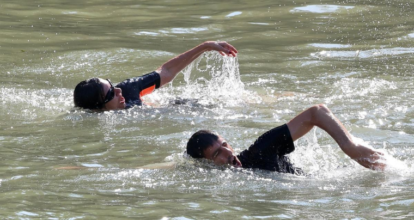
point(100, 94)
point(269, 150)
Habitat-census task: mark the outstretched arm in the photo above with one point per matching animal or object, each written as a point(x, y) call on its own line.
point(321, 116)
point(171, 68)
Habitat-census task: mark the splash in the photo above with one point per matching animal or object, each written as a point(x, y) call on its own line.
point(212, 80)
point(31, 104)
point(326, 161)
point(219, 82)
point(393, 165)
point(318, 158)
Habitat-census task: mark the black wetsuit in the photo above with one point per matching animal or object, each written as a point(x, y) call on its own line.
point(134, 88)
point(269, 150)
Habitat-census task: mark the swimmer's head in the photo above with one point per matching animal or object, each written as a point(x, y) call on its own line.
point(206, 144)
point(98, 94)
point(88, 94)
point(199, 142)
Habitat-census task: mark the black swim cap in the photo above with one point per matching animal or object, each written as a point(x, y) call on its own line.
point(89, 94)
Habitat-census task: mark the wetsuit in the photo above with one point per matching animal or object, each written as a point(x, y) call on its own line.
point(269, 150)
point(134, 88)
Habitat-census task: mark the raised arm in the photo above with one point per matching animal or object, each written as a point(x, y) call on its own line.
point(321, 116)
point(171, 68)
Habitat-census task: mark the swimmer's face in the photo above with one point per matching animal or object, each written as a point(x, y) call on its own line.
point(118, 101)
point(221, 153)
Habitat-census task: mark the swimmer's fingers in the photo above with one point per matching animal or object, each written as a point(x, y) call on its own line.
point(223, 48)
point(231, 50)
point(228, 54)
point(233, 54)
point(227, 46)
point(375, 161)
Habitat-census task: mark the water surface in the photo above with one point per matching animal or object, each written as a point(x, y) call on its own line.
point(356, 57)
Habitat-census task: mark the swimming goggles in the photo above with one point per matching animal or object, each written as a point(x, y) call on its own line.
point(109, 95)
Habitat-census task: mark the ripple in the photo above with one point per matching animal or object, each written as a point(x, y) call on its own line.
point(407, 202)
point(25, 213)
point(259, 23)
point(236, 13)
point(330, 45)
point(321, 8)
point(148, 33)
point(187, 30)
point(363, 54)
point(177, 30)
point(70, 12)
point(92, 165)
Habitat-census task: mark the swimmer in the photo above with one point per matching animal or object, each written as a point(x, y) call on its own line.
point(100, 94)
point(269, 151)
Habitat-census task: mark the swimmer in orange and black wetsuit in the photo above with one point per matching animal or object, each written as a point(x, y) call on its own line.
point(101, 94)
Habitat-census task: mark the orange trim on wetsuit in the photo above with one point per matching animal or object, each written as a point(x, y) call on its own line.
point(134, 88)
point(147, 91)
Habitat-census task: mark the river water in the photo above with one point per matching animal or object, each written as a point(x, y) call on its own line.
point(354, 56)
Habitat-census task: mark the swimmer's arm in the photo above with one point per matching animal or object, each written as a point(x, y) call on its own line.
point(171, 68)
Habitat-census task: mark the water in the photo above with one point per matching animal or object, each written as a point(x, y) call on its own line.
point(356, 57)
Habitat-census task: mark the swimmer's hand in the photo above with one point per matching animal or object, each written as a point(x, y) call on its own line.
point(370, 158)
point(222, 47)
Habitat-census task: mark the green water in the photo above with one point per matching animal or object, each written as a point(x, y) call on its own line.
point(354, 56)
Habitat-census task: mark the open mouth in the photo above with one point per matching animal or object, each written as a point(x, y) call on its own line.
point(122, 99)
point(235, 162)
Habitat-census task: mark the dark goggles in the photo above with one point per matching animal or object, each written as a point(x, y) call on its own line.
point(109, 95)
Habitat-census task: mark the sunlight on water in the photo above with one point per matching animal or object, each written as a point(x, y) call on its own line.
point(234, 14)
point(321, 8)
point(173, 31)
point(330, 45)
point(348, 87)
point(356, 57)
point(34, 103)
point(380, 53)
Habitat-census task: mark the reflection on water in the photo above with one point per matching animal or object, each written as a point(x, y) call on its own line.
point(321, 8)
point(174, 31)
point(355, 57)
point(234, 14)
point(362, 54)
point(330, 45)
